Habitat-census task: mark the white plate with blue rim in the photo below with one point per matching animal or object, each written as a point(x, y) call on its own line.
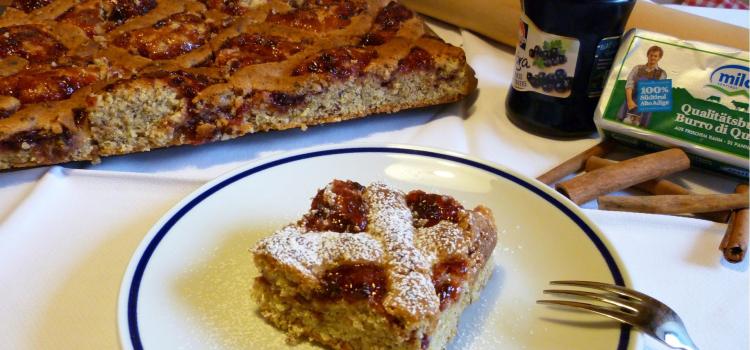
point(188, 283)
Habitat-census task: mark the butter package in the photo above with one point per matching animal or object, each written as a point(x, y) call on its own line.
point(666, 92)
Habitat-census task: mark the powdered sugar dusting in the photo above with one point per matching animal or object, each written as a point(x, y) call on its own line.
point(289, 247)
point(441, 241)
point(412, 293)
point(310, 252)
point(389, 216)
point(337, 248)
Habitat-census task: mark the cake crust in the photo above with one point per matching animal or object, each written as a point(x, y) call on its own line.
point(374, 268)
point(95, 78)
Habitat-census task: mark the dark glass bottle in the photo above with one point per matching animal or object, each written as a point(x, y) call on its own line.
point(597, 26)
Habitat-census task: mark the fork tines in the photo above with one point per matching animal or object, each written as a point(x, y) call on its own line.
point(628, 306)
point(626, 301)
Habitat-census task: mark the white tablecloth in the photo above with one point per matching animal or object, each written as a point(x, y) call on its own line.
point(67, 233)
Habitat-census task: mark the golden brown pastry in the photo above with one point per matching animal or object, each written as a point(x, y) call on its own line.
point(374, 268)
point(84, 79)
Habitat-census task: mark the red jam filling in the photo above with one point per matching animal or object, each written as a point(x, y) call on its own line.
point(302, 19)
point(207, 123)
point(188, 84)
point(88, 19)
point(354, 283)
point(80, 116)
point(335, 14)
point(341, 63)
point(248, 49)
point(121, 10)
point(31, 43)
point(8, 105)
point(230, 7)
point(29, 5)
point(425, 343)
point(429, 209)
point(258, 99)
point(46, 85)
point(387, 23)
point(101, 17)
point(168, 38)
point(5, 113)
point(392, 15)
point(283, 101)
point(42, 144)
point(347, 213)
point(448, 276)
point(374, 39)
point(417, 59)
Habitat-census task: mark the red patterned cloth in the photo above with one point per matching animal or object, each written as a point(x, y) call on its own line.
point(727, 4)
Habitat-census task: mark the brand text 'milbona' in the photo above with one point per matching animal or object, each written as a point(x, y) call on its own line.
point(731, 77)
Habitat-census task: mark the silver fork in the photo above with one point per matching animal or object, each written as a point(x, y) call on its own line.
point(634, 308)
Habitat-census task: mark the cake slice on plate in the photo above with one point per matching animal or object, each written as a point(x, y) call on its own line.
point(369, 267)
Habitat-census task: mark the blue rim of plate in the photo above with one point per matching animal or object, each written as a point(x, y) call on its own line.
point(135, 284)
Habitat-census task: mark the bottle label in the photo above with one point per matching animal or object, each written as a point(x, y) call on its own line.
point(603, 59)
point(545, 63)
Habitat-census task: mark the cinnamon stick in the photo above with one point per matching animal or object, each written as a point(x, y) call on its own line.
point(627, 173)
point(576, 163)
point(734, 244)
point(674, 204)
point(658, 187)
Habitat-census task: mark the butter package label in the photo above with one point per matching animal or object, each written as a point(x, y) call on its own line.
point(666, 92)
